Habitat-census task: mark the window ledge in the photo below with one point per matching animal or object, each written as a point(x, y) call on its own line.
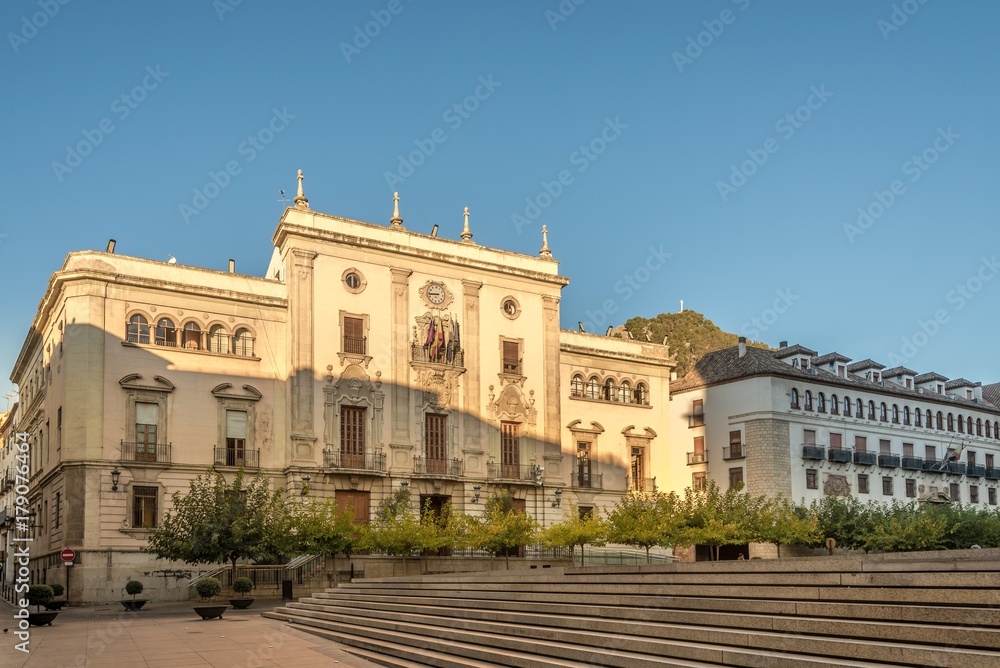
point(190, 351)
point(136, 533)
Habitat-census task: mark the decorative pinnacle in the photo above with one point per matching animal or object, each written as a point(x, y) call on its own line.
point(545, 252)
point(300, 199)
point(395, 220)
point(466, 234)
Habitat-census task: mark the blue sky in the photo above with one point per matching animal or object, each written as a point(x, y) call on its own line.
point(716, 152)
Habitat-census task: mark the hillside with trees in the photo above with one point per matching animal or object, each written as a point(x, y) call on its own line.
point(689, 334)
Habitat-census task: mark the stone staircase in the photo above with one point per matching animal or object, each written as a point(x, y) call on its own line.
point(917, 609)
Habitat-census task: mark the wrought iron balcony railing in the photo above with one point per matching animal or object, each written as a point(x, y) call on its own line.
point(368, 461)
point(437, 355)
point(888, 461)
point(585, 480)
point(500, 471)
point(158, 453)
point(913, 463)
point(813, 451)
point(865, 458)
point(734, 451)
point(839, 455)
point(974, 471)
point(697, 457)
point(248, 459)
point(642, 484)
point(423, 465)
point(993, 473)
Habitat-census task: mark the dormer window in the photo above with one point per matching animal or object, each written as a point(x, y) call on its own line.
point(805, 363)
point(940, 388)
point(842, 371)
point(909, 383)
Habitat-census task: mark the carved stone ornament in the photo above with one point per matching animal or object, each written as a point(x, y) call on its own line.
point(436, 295)
point(836, 485)
point(511, 404)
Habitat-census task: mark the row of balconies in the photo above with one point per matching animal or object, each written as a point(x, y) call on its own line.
point(729, 453)
point(847, 455)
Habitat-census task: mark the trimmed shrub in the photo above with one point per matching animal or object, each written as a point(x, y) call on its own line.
point(133, 587)
point(208, 588)
point(242, 585)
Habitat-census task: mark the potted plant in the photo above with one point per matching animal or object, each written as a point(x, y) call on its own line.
point(208, 589)
point(57, 590)
point(242, 586)
point(39, 595)
point(133, 587)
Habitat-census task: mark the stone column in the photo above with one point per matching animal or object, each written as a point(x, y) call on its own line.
point(552, 399)
point(300, 307)
point(400, 443)
point(474, 436)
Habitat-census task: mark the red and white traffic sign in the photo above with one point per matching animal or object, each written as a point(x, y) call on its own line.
point(68, 555)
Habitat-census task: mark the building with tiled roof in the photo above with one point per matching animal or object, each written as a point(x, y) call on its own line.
point(764, 419)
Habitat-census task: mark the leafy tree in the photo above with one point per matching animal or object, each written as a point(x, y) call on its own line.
point(645, 520)
point(845, 519)
point(397, 530)
point(39, 595)
point(133, 587)
point(217, 521)
point(575, 530)
point(904, 528)
point(782, 523)
point(716, 519)
point(502, 528)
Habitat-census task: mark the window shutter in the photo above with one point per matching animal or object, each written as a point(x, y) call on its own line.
point(146, 413)
point(236, 424)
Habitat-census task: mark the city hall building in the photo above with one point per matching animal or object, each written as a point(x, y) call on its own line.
point(369, 357)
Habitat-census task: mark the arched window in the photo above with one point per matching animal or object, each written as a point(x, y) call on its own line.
point(192, 336)
point(138, 329)
point(847, 407)
point(979, 426)
point(940, 421)
point(243, 343)
point(860, 408)
point(821, 402)
point(871, 409)
point(609, 390)
point(593, 388)
point(834, 405)
point(917, 417)
point(951, 422)
point(625, 392)
point(576, 386)
point(906, 415)
point(642, 394)
point(218, 340)
point(989, 433)
point(165, 333)
point(961, 424)
point(996, 429)
point(795, 398)
point(882, 412)
point(809, 400)
point(895, 414)
point(968, 425)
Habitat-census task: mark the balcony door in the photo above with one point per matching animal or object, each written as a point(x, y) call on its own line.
point(352, 437)
point(435, 443)
point(146, 418)
point(236, 438)
point(583, 464)
point(510, 450)
point(638, 468)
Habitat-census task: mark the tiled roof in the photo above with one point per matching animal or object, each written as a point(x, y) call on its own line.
point(959, 382)
point(930, 375)
point(865, 364)
point(830, 357)
point(726, 365)
point(793, 350)
point(898, 371)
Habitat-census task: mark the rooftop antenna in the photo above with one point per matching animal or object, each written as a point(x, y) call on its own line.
point(283, 200)
point(682, 306)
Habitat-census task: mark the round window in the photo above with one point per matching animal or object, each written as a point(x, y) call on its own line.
point(353, 280)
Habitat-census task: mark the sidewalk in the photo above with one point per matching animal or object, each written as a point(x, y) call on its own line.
point(167, 635)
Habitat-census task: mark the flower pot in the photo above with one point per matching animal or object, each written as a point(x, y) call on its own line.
point(134, 605)
point(241, 603)
point(42, 618)
point(55, 605)
point(210, 611)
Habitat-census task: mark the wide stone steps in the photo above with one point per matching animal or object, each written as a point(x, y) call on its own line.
point(932, 609)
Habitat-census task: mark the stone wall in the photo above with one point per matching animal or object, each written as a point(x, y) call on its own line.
point(769, 466)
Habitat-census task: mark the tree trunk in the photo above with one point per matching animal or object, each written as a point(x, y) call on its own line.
point(233, 582)
point(647, 554)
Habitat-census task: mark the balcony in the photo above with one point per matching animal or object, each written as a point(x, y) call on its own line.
point(4, 516)
point(888, 461)
point(498, 471)
point(356, 345)
point(697, 457)
point(641, 484)
point(913, 463)
point(145, 453)
point(839, 455)
point(975, 471)
point(933, 465)
point(865, 458)
point(433, 466)
point(734, 452)
point(586, 480)
point(958, 468)
point(248, 459)
point(813, 451)
point(992, 473)
point(369, 461)
point(437, 355)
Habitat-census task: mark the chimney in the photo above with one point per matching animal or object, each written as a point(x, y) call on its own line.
point(783, 344)
point(743, 346)
point(111, 246)
point(434, 231)
point(232, 266)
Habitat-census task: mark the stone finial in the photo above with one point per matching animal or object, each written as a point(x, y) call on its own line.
point(395, 220)
point(300, 198)
point(466, 233)
point(545, 253)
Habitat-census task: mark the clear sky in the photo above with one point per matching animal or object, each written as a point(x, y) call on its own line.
point(822, 173)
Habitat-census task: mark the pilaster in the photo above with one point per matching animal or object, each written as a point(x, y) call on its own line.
point(300, 307)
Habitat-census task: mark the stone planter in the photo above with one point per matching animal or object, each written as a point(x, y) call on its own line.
point(240, 603)
point(134, 605)
point(42, 618)
point(55, 605)
point(210, 611)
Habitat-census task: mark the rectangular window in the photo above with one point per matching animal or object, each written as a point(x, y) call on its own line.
point(435, 443)
point(354, 502)
point(861, 443)
point(146, 418)
point(736, 444)
point(354, 335)
point(510, 450)
point(886, 486)
point(736, 476)
point(352, 437)
point(698, 456)
point(862, 483)
point(973, 493)
point(991, 495)
point(989, 461)
point(953, 492)
point(698, 481)
point(512, 358)
point(144, 507)
point(884, 446)
point(809, 436)
point(59, 429)
point(812, 479)
point(583, 464)
point(698, 413)
point(236, 438)
point(911, 488)
point(836, 440)
point(930, 453)
point(907, 449)
point(638, 469)
point(971, 458)
point(842, 371)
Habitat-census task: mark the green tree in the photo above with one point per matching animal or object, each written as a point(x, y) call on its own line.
point(575, 530)
point(217, 521)
point(715, 518)
point(783, 523)
point(845, 519)
point(904, 528)
point(502, 528)
point(646, 520)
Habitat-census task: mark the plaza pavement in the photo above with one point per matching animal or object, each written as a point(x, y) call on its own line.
point(167, 635)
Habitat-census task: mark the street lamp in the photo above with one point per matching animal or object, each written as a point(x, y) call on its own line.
point(115, 475)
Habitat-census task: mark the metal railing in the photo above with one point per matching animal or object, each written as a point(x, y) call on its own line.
point(975, 471)
point(839, 455)
point(912, 463)
point(369, 461)
point(232, 457)
point(158, 453)
point(734, 452)
point(439, 355)
point(642, 484)
point(697, 457)
point(865, 458)
point(356, 345)
point(589, 480)
point(501, 471)
point(888, 461)
point(423, 465)
point(992, 473)
point(813, 451)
